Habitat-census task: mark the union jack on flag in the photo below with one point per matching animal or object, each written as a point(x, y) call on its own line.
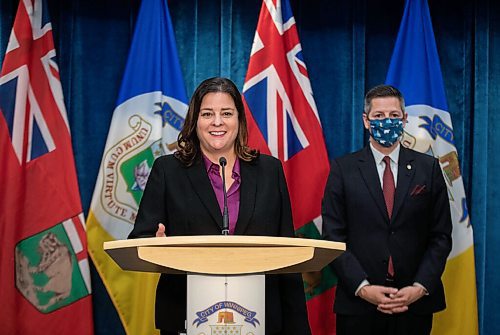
point(31, 52)
point(279, 85)
point(44, 262)
point(283, 118)
point(280, 128)
point(283, 121)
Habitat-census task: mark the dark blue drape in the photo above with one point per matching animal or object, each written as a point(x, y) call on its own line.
point(347, 47)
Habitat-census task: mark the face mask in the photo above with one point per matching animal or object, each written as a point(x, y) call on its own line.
point(386, 131)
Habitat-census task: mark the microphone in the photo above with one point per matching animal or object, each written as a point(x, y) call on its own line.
point(225, 215)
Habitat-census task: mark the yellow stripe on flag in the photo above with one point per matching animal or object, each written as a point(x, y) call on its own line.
point(460, 315)
point(132, 293)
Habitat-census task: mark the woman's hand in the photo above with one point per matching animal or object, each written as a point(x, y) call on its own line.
point(161, 230)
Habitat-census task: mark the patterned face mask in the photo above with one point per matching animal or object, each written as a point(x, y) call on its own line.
point(386, 131)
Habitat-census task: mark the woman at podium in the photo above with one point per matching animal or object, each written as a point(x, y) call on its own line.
point(185, 196)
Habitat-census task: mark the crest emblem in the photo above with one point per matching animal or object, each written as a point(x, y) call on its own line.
point(136, 168)
point(47, 270)
point(153, 123)
point(226, 322)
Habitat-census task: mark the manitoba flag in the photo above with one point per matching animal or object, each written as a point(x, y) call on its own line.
point(45, 284)
point(284, 122)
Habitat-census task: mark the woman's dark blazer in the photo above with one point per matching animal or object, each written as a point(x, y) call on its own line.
point(183, 200)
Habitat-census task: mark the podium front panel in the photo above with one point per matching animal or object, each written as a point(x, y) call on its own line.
point(225, 304)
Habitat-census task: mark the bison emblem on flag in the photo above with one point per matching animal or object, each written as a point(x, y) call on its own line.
point(47, 272)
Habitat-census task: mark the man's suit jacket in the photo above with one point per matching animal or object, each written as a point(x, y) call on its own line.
point(182, 198)
point(418, 236)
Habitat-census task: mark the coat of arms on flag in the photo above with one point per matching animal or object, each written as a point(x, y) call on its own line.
point(49, 273)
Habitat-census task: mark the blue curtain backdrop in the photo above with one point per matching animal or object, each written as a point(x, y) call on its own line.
point(347, 47)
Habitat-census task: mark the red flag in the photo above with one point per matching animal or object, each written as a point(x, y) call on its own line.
point(284, 122)
point(43, 264)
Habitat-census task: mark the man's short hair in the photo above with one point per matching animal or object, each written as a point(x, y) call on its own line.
point(383, 91)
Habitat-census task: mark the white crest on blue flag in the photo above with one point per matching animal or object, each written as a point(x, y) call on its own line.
point(149, 114)
point(416, 72)
point(130, 152)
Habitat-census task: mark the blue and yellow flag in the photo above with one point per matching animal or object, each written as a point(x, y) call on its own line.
point(416, 72)
point(149, 114)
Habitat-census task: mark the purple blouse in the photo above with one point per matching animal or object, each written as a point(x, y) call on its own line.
point(233, 194)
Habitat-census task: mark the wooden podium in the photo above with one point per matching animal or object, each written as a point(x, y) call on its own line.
point(217, 265)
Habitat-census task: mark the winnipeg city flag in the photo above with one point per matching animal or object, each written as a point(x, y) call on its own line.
point(416, 71)
point(283, 121)
point(149, 113)
point(44, 269)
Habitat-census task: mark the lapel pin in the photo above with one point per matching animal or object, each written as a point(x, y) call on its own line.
point(408, 167)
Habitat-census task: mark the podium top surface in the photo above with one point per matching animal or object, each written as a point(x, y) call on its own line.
point(215, 254)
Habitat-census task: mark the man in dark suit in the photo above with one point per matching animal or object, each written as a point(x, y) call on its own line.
point(183, 196)
point(390, 205)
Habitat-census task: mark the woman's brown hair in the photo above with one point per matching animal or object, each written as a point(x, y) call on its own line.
point(188, 141)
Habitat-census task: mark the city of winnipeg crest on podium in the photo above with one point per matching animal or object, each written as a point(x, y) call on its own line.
point(234, 305)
